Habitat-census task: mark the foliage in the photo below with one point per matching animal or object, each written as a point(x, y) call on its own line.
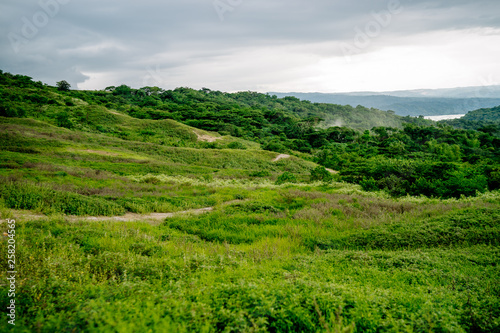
point(436, 160)
point(261, 265)
point(28, 196)
point(484, 120)
point(248, 243)
point(321, 174)
point(286, 177)
point(63, 85)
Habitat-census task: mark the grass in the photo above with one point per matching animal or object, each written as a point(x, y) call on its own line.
point(304, 256)
point(124, 277)
point(48, 201)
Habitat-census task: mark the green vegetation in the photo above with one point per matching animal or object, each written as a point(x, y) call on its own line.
point(403, 156)
point(484, 120)
point(400, 234)
point(278, 260)
point(38, 198)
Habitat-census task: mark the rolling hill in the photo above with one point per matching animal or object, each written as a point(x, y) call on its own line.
point(138, 210)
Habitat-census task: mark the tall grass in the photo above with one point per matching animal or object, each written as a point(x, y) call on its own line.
point(23, 195)
point(92, 276)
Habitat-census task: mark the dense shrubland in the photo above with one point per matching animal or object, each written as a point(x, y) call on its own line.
point(286, 246)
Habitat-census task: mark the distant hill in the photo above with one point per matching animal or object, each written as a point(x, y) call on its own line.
point(491, 91)
point(414, 103)
point(485, 120)
point(491, 115)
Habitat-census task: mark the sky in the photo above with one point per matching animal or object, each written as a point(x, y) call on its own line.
point(258, 45)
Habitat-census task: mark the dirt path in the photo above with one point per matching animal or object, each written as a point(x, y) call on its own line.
point(207, 138)
point(129, 217)
point(141, 217)
point(115, 112)
point(280, 157)
point(331, 171)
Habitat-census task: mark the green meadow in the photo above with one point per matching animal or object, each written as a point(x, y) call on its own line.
point(252, 243)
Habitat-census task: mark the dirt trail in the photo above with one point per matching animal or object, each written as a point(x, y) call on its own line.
point(142, 217)
point(207, 138)
point(280, 157)
point(115, 112)
point(129, 217)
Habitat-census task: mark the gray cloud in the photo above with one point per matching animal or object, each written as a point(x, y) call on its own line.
point(186, 42)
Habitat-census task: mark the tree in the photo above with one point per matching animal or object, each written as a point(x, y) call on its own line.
point(63, 85)
point(62, 120)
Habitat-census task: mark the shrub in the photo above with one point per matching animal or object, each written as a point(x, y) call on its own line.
point(369, 184)
point(12, 111)
point(286, 177)
point(275, 146)
point(260, 174)
point(321, 174)
point(62, 120)
point(236, 145)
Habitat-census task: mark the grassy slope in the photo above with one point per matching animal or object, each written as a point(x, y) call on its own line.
point(285, 259)
point(306, 257)
point(100, 165)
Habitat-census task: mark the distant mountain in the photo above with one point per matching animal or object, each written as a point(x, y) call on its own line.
point(462, 92)
point(425, 102)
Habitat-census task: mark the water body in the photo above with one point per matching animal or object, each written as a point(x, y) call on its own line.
point(445, 117)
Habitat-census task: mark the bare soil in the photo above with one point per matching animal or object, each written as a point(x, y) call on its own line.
point(280, 157)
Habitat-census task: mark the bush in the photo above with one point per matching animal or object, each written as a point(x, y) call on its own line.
point(321, 174)
point(12, 111)
point(62, 120)
point(275, 146)
point(286, 177)
point(236, 145)
point(369, 184)
point(260, 174)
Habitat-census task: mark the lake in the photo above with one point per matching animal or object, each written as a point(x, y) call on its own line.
point(445, 117)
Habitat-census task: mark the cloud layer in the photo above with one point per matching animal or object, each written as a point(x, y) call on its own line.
point(263, 45)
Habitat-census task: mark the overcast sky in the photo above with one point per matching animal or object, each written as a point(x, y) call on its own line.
point(258, 45)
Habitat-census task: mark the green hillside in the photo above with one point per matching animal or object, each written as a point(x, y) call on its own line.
point(143, 210)
point(487, 115)
point(485, 120)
